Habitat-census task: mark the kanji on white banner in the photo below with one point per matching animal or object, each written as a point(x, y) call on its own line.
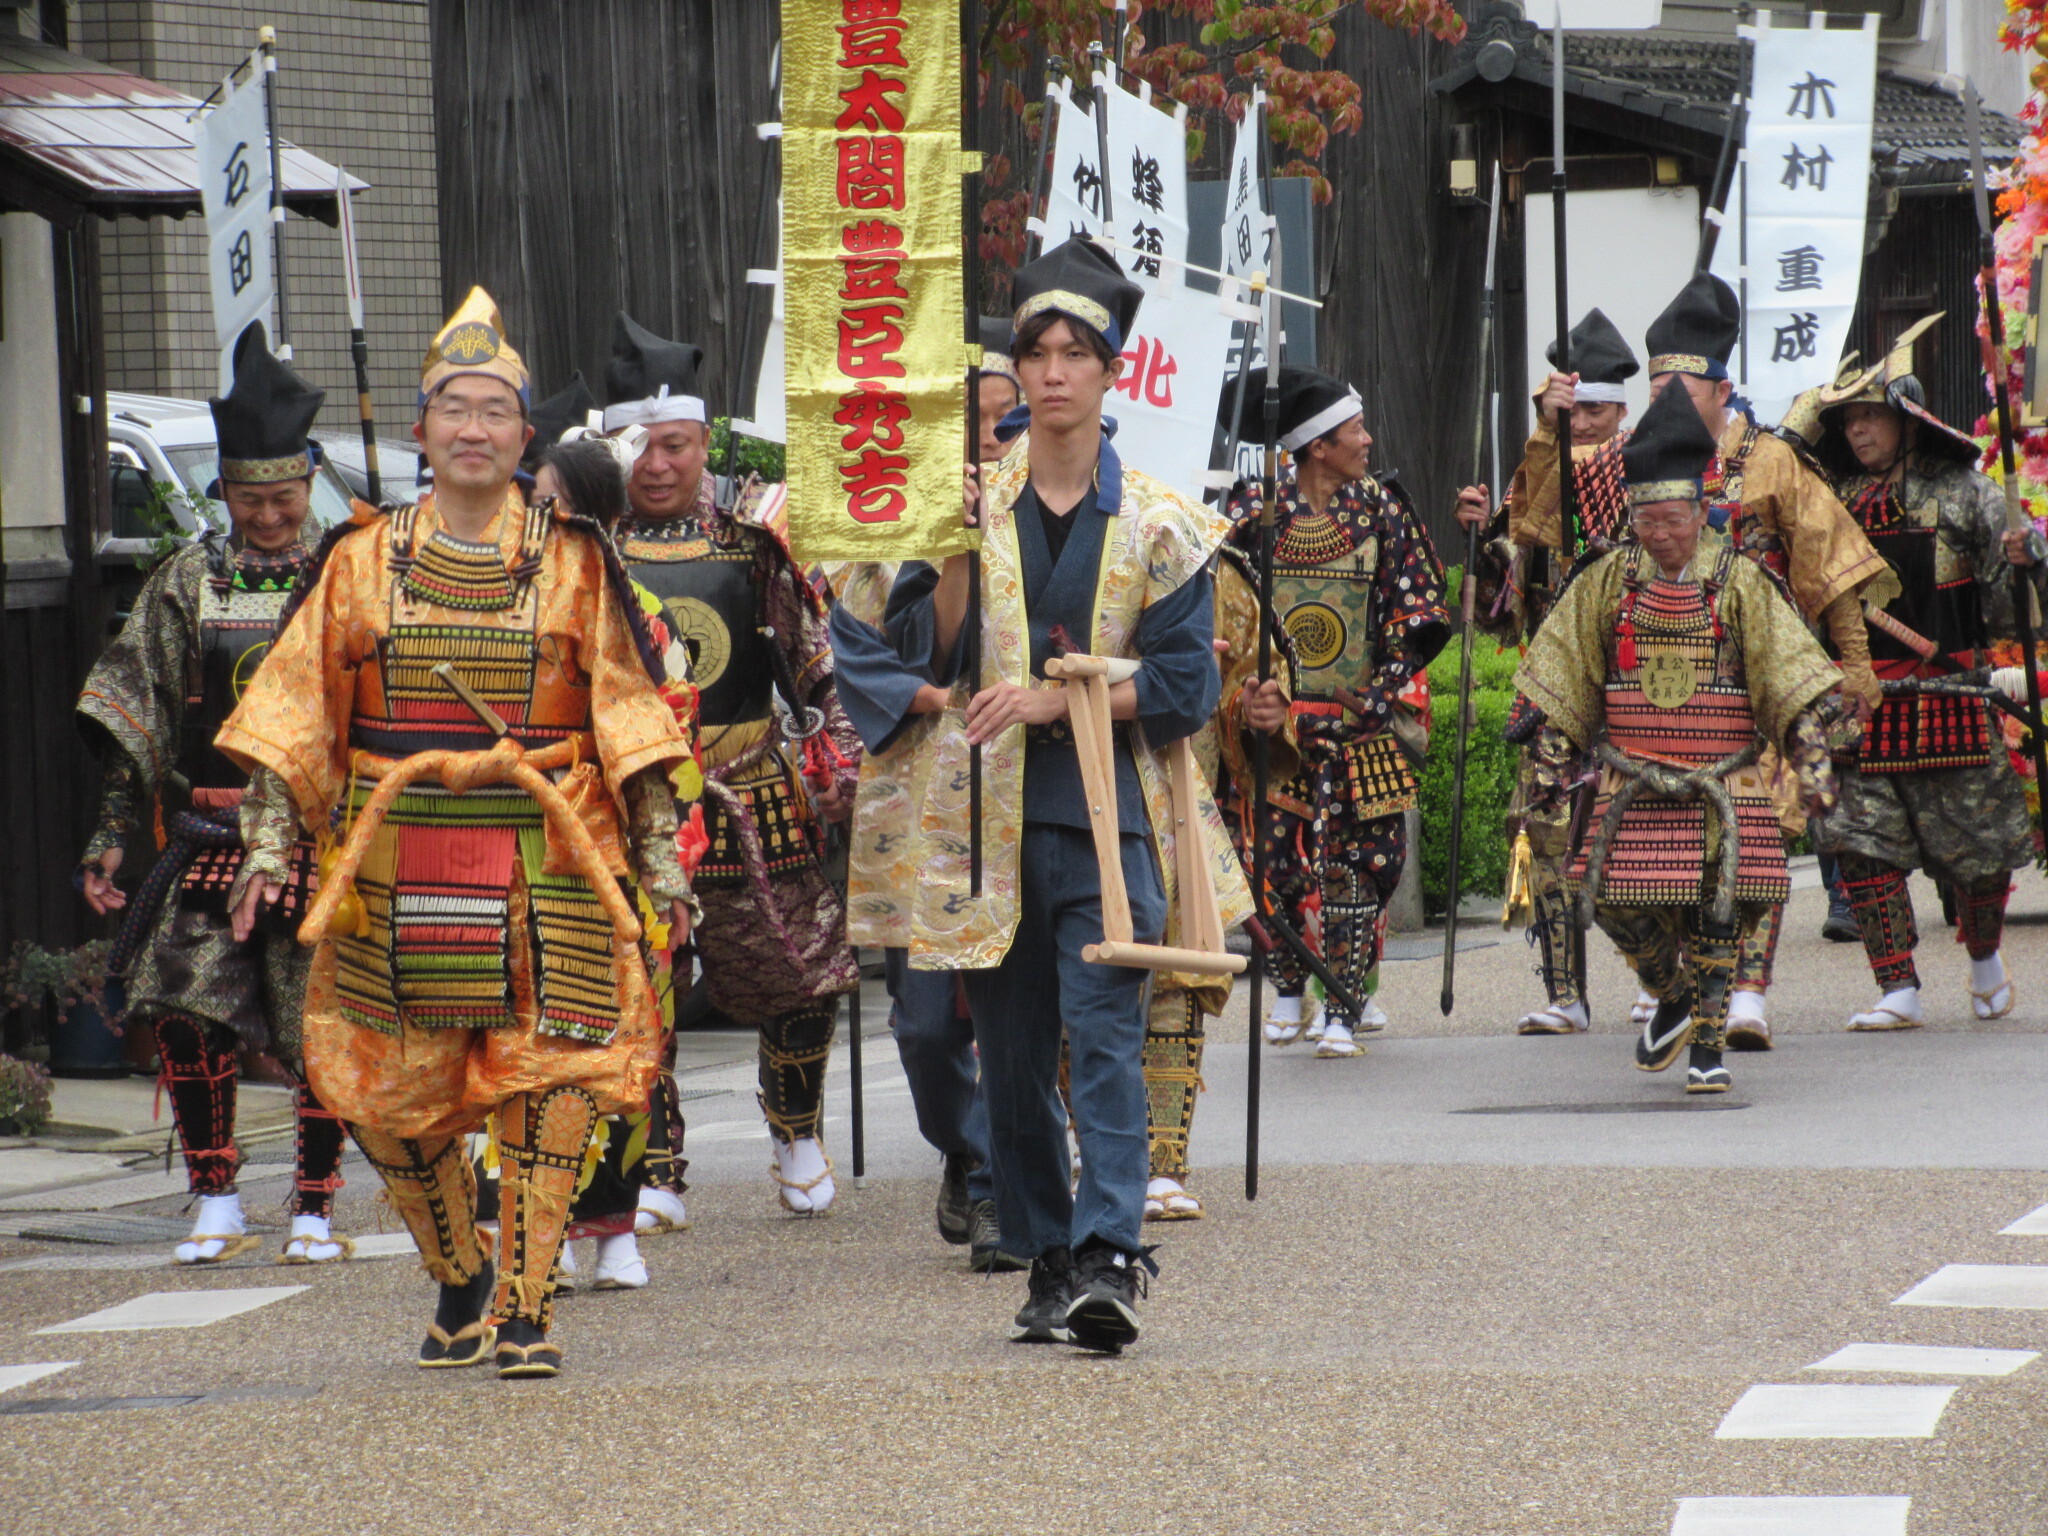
point(1800, 221)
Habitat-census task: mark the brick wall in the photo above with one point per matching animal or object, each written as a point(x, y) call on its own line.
point(355, 89)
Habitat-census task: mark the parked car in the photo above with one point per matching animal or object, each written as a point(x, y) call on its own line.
point(398, 465)
point(156, 439)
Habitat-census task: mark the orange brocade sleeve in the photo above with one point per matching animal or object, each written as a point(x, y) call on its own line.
point(293, 717)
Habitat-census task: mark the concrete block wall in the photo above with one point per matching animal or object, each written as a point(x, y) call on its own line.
point(355, 89)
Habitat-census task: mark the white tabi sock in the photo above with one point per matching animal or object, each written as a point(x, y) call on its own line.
point(1286, 1010)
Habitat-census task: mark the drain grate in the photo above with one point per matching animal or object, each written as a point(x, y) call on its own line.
point(180, 1400)
point(1646, 1107)
point(101, 1227)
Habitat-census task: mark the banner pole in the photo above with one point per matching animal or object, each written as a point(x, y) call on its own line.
point(970, 271)
point(1261, 747)
point(266, 43)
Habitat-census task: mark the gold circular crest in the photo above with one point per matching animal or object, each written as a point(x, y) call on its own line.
point(1668, 678)
point(470, 342)
point(245, 667)
point(1317, 631)
point(702, 633)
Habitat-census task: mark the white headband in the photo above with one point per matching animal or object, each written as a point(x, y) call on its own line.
point(661, 406)
point(1329, 416)
point(1602, 394)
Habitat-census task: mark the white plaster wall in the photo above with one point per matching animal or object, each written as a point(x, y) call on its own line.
point(31, 425)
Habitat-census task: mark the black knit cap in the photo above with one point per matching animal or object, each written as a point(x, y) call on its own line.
point(1696, 333)
point(1666, 456)
point(1600, 354)
point(1083, 282)
point(1311, 404)
point(556, 415)
point(645, 369)
point(262, 423)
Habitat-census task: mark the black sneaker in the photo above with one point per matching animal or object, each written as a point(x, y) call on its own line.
point(1043, 1319)
point(1668, 1032)
point(953, 1213)
point(1841, 926)
point(1107, 1284)
point(985, 1254)
point(1705, 1074)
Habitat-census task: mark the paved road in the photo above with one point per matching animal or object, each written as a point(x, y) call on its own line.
point(1490, 1285)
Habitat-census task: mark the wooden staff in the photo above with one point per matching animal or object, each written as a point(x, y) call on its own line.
point(1446, 997)
point(2025, 614)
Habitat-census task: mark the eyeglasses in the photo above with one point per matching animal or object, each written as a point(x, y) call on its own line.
point(495, 418)
point(1662, 523)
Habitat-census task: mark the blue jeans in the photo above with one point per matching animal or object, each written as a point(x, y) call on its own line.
point(1017, 1021)
point(937, 1049)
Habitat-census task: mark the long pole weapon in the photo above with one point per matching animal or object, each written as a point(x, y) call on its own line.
point(1567, 480)
point(1736, 131)
point(1446, 999)
point(970, 271)
point(764, 226)
point(1261, 765)
point(266, 44)
point(2025, 612)
point(358, 341)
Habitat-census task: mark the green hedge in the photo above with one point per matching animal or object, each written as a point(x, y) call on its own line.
point(756, 455)
point(1490, 764)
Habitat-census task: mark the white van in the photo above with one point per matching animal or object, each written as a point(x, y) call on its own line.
point(154, 440)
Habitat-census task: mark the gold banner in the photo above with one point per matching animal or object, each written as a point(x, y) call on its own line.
point(871, 271)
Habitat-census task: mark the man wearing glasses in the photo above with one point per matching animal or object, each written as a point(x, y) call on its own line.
point(481, 961)
point(1677, 661)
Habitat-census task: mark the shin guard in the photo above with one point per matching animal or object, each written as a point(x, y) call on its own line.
point(1173, 1076)
point(199, 1077)
point(1980, 914)
point(1554, 930)
point(1711, 950)
point(541, 1142)
point(431, 1187)
point(1759, 952)
point(1884, 911)
point(794, 1049)
point(316, 1168)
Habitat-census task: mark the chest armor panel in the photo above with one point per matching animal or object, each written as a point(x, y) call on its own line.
point(1685, 700)
point(707, 594)
point(235, 629)
point(1327, 611)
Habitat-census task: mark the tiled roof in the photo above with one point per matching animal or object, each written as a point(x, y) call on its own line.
point(1921, 137)
point(114, 141)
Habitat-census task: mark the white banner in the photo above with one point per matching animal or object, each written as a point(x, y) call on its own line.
point(1802, 219)
point(233, 146)
point(1165, 403)
point(1247, 231)
point(1596, 15)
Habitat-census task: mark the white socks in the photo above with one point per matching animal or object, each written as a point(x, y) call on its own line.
point(1337, 1040)
point(1993, 999)
point(312, 1241)
point(1746, 1008)
point(619, 1265)
point(1286, 1010)
point(803, 1176)
point(218, 1224)
point(660, 1208)
point(1895, 1010)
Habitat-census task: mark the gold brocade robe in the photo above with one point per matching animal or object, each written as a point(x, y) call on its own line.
point(295, 721)
point(1157, 541)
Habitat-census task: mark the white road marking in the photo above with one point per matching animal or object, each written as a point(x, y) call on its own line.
point(1814, 1412)
point(2033, 1224)
point(1852, 1516)
point(176, 1309)
point(1926, 1360)
point(2021, 1286)
point(385, 1245)
point(12, 1376)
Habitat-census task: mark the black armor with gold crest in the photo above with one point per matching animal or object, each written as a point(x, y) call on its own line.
point(711, 597)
